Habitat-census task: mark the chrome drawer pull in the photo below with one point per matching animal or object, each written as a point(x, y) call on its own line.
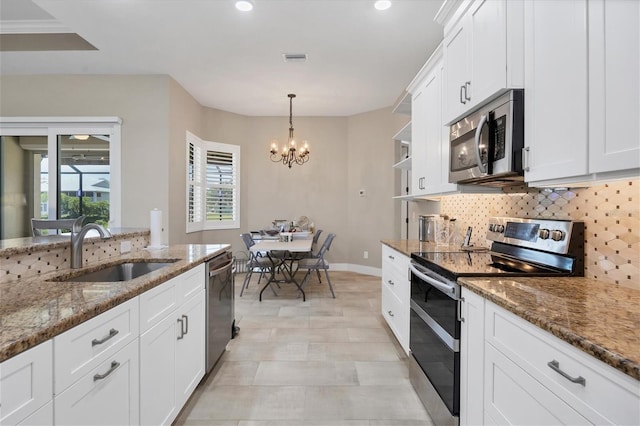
point(181, 321)
point(114, 365)
point(391, 313)
point(391, 257)
point(555, 366)
point(112, 333)
point(186, 324)
point(390, 282)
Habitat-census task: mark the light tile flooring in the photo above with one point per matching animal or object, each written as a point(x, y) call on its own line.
point(323, 362)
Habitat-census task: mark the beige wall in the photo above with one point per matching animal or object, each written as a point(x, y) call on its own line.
point(347, 154)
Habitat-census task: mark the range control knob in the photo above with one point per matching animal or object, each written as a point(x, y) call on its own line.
point(492, 227)
point(544, 234)
point(557, 235)
point(500, 229)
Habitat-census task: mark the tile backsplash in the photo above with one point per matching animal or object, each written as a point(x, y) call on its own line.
point(610, 212)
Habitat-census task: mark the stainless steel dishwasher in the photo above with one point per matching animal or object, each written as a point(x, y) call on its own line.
point(220, 306)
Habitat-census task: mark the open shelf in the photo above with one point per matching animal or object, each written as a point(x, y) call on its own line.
point(404, 164)
point(404, 134)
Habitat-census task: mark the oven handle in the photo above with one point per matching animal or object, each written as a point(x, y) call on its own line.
point(483, 121)
point(448, 289)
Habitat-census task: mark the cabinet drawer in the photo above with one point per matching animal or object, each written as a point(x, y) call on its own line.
point(26, 383)
point(395, 259)
point(397, 283)
point(190, 283)
point(82, 348)
point(607, 396)
point(394, 313)
point(108, 394)
point(157, 303)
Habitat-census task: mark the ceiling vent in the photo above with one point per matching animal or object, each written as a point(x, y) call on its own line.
point(295, 57)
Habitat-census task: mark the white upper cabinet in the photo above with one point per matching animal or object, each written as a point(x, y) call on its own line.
point(582, 107)
point(482, 53)
point(614, 85)
point(555, 89)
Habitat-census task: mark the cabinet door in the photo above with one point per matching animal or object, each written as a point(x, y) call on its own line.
point(419, 165)
point(614, 86)
point(107, 395)
point(514, 397)
point(190, 346)
point(157, 373)
point(472, 359)
point(487, 23)
point(457, 48)
point(556, 98)
point(26, 383)
point(44, 416)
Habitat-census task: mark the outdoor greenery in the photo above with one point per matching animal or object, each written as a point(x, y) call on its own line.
point(95, 211)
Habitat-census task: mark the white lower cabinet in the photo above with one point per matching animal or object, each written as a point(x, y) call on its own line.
point(26, 386)
point(172, 350)
point(521, 374)
point(396, 293)
point(107, 395)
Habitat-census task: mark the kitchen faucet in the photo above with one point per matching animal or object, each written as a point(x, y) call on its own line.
point(77, 235)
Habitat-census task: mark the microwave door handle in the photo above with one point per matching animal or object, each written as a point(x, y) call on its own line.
point(447, 289)
point(483, 121)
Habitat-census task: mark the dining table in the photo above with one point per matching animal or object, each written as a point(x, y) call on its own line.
point(297, 245)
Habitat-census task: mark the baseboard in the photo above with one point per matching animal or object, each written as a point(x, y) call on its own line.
point(360, 269)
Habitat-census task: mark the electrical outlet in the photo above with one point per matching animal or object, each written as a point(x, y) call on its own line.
point(366, 254)
point(125, 246)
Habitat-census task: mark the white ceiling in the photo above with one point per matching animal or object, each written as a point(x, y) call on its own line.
point(359, 58)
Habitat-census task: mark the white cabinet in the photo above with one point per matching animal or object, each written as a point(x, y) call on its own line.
point(614, 85)
point(190, 346)
point(482, 53)
point(556, 99)
point(172, 349)
point(429, 144)
point(582, 61)
point(106, 395)
point(471, 359)
point(396, 293)
point(26, 387)
point(521, 374)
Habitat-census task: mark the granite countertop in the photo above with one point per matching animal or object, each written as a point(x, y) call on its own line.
point(14, 246)
point(601, 319)
point(35, 310)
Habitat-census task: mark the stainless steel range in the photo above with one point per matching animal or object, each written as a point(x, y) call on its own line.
point(520, 247)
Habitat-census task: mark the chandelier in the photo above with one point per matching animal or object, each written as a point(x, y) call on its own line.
point(290, 154)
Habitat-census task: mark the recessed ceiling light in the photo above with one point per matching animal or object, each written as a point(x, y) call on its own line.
point(382, 4)
point(244, 5)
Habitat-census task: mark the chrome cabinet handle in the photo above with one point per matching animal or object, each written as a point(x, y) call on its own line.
point(391, 257)
point(460, 318)
point(555, 366)
point(390, 313)
point(466, 87)
point(186, 324)
point(390, 282)
point(114, 365)
point(112, 333)
point(181, 336)
point(462, 101)
point(525, 158)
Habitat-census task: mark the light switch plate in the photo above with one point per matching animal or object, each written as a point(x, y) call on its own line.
point(125, 246)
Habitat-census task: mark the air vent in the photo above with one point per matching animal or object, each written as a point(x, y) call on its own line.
point(294, 57)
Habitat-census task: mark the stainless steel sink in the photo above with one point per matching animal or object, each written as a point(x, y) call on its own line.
point(114, 273)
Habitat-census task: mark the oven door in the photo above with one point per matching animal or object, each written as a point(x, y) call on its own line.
point(434, 337)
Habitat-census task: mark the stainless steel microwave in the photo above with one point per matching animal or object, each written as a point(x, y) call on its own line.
point(486, 146)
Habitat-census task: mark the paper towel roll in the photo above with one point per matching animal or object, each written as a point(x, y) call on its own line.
point(155, 224)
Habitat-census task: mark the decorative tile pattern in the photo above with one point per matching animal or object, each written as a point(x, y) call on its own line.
point(17, 264)
point(610, 212)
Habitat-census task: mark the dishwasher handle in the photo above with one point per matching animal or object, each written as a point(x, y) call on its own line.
point(221, 269)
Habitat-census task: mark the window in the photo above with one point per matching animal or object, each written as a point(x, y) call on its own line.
point(58, 167)
point(213, 185)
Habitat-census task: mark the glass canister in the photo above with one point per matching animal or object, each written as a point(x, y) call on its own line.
point(426, 228)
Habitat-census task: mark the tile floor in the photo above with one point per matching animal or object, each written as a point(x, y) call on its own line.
point(323, 362)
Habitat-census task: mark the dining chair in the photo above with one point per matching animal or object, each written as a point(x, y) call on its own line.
point(39, 225)
point(318, 263)
point(256, 263)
